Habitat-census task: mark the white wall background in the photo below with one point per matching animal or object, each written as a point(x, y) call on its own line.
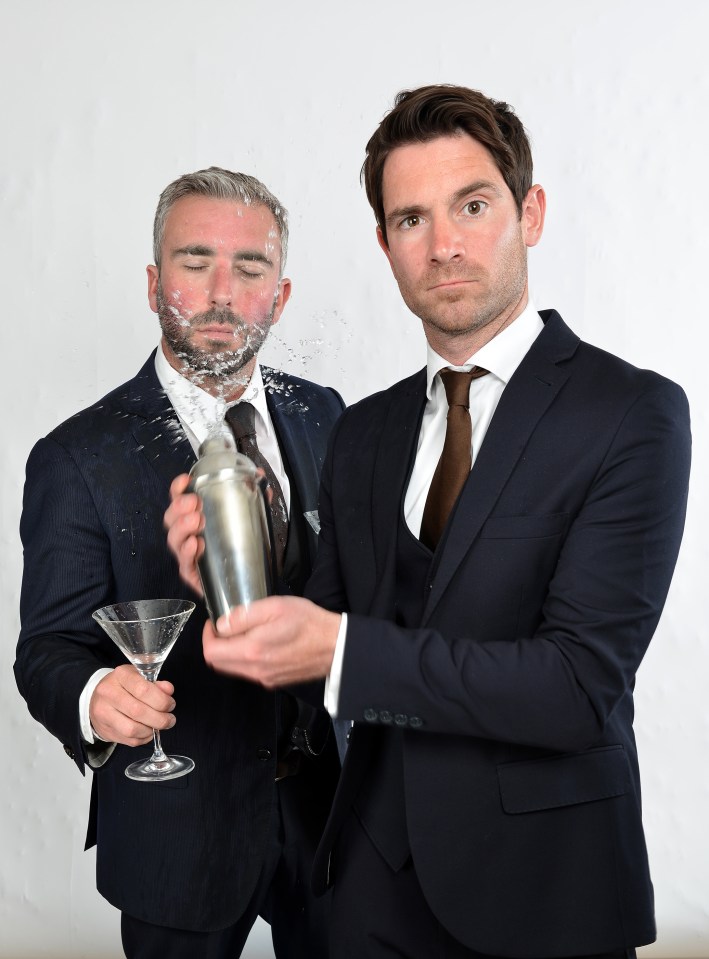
point(102, 105)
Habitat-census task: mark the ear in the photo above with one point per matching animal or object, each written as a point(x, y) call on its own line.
point(383, 244)
point(533, 211)
point(284, 291)
point(153, 283)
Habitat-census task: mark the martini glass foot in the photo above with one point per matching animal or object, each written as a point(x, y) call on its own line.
point(157, 768)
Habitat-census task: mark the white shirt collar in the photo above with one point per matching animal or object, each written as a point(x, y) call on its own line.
point(198, 410)
point(501, 355)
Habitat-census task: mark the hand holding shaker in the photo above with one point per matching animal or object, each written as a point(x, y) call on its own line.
point(235, 567)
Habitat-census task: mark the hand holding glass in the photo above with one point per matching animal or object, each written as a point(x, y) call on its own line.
point(145, 632)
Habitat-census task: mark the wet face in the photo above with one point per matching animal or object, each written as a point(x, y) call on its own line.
point(455, 241)
point(217, 292)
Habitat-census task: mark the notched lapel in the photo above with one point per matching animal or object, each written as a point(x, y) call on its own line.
point(295, 441)
point(527, 396)
point(302, 439)
point(392, 467)
point(156, 428)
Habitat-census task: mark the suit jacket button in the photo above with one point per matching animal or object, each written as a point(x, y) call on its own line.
point(401, 719)
point(69, 751)
point(263, 754)
point(385, 716)
point(370, 715)
point(415, 722)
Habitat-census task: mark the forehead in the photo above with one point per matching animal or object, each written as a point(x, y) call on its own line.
point(219, 223)
point(416, 172)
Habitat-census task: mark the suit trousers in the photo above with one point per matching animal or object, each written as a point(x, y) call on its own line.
point(378, 913)
point(299, 921)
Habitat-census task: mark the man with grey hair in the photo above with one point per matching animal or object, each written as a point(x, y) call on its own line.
point(192, 861)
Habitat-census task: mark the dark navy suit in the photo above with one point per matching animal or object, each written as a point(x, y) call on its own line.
point(493, 744)
point(185, 853)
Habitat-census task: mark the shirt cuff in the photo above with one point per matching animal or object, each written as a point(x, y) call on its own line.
point(87, 731)
point(332, 680)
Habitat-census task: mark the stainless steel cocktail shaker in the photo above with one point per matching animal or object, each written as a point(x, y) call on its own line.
point(235, 567)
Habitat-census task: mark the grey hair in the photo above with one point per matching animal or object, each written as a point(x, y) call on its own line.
point(222, 185)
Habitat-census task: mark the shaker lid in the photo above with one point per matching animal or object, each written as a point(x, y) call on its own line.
point(218, 453)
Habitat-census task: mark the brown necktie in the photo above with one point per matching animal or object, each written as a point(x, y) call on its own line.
point(241, 419)
point(456, 459)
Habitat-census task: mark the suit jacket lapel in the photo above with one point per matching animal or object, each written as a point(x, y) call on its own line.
point(156, 428)
point(293, 432)
point(392, 467)
point(297, 443)
point(531, 390)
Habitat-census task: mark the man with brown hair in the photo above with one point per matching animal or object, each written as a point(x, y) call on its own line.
point(499, 532)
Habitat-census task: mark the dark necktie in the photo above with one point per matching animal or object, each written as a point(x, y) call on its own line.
point(456, 459)
point(241, 419)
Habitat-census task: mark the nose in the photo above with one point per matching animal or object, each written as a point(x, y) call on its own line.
point(445, 241)
point(220, 289)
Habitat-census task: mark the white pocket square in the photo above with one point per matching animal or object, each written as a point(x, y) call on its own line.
point(313, 520)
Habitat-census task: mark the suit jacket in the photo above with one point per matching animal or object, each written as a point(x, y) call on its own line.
point(514, 696)
point(184, 853)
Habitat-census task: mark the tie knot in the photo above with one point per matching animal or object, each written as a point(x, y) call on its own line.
point(457, 384)
point(241, 418)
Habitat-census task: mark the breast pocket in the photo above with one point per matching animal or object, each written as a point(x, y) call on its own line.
point(525, 527)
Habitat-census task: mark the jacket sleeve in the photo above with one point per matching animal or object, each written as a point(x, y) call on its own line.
point(67, 574)
point(558, 687)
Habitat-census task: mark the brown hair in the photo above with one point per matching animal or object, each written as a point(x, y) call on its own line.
point(445, 110)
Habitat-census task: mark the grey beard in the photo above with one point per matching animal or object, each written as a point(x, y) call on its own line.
point(218, 363)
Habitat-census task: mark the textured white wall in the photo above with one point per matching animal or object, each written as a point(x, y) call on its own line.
point(102, 105)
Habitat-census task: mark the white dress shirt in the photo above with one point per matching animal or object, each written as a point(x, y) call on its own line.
point(501, 356)
point(199, 413)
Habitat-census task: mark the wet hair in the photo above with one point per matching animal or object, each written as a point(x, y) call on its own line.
point(222, 185)
point(440, 110)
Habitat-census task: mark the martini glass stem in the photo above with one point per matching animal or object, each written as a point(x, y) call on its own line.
point(158, 755)
point(151, 674)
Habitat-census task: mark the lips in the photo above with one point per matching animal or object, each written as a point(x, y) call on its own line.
point(221, 332)
point(451, 284)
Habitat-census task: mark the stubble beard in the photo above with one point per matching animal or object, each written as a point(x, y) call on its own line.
point(467, 310)
point(208, 367)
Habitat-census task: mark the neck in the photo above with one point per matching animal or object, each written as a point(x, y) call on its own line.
point(457, 348)
point(226, 386)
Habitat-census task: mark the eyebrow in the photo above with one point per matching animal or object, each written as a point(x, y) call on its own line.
point(474, 187)
point(193, 250)
point(197, 249)
point(253, 256)
point(401, 212)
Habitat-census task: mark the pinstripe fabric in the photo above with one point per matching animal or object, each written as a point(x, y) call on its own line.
point(185, 853)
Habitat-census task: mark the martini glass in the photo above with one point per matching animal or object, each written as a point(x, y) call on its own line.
point(145, 632)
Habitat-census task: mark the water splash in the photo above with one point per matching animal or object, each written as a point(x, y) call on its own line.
point(333, 336)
